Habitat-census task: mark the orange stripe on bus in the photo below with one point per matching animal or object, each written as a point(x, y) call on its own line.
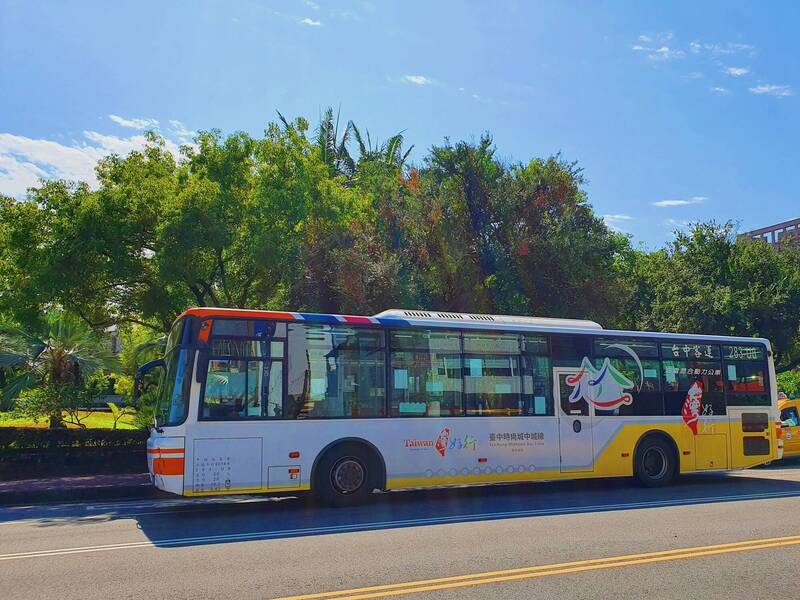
point(165, 450)
point(168, 466)
point(234, 312)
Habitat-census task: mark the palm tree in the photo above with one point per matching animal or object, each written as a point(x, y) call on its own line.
point(63, 351)
point(332, 147)
point(336, 155)
point(390, 152)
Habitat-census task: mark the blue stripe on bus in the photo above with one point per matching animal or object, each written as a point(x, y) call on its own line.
point(339, 320)
point(392, 321)
point(319, 318)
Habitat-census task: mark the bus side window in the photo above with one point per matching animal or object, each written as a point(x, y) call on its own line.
point(425, 373)
point(244, 379)
point(637, 361)
point(335, 372)
point(570, 351)
point(745, 370)
point(537, 381)
point(491, 375)
point(692, 366)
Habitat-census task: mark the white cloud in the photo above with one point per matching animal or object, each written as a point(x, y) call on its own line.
point(728, 48)
point(616, 221)
point(780, 91)
point(345, 14)
point(134, 123)
point(312, 5)
point(417, 79)
point(717, 50)
point(24, 161)
point(180, 130)
point(660, 53)
point(720, 90)
point(680, 223)
point(736, 71)
point(17, 174)
point(684, 202)
point(310, 22)
point(666, 53)
point(657, 46)
point(659, 37)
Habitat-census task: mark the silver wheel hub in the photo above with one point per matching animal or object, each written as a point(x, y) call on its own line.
point(655, 462)
point(348, 475)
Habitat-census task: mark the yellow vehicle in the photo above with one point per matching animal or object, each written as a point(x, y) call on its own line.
point(790, 425)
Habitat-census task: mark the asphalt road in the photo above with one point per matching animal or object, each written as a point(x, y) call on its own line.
point(710, 536)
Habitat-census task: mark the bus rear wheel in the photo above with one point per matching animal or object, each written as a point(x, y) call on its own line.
point(345, 476)
point(654, 463)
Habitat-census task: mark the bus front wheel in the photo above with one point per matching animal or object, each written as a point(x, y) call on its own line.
point(345, 476)
point(654, 463)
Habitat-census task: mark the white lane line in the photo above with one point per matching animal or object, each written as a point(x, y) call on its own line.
point(267, 535)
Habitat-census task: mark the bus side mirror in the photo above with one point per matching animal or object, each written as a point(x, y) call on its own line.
point(138, 379)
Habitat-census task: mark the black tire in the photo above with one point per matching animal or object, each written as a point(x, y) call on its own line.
point(346, 475)
point(654, 464)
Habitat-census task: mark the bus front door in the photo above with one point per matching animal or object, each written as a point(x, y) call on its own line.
point(576, 442)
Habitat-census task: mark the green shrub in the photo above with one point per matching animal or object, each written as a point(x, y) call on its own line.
point(789, 383)
point(16, 439)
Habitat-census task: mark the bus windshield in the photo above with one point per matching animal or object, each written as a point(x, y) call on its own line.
point(172, 403)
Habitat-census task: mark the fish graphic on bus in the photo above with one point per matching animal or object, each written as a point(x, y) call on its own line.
point(693, 406)
point(604, 387)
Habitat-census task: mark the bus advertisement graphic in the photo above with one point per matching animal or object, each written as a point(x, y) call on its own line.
point(693, 406)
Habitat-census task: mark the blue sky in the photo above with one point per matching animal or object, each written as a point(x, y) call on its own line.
point(677, 111)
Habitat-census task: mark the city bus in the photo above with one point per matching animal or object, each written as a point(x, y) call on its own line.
point(254, 401)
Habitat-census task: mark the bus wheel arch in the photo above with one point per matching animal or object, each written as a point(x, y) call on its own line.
point(656, 460)
point(342, 460)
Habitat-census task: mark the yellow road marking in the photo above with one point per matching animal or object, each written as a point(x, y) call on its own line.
point(459, 581)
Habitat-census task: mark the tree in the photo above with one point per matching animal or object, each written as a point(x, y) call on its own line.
point(118, 412)
point(708, 281)
point(89, 251)
point(519, 239)
point(332, 148)
point(559, 258)
point(389, 152)
point(223, 226)
point(54, 364)
point(293, 219)
point(789, 383)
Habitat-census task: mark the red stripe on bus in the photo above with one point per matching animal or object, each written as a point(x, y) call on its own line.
point(168, 466)
point(205, 331)
point(165, 450)
point(355, 319)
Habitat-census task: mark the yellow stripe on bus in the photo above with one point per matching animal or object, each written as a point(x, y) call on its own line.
point(299, 488)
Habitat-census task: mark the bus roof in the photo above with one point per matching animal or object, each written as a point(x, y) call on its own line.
point(437, 319)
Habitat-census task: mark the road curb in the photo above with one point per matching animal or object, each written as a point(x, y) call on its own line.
point(119, 492)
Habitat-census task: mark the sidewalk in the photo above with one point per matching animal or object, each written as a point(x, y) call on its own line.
point(76, 489)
